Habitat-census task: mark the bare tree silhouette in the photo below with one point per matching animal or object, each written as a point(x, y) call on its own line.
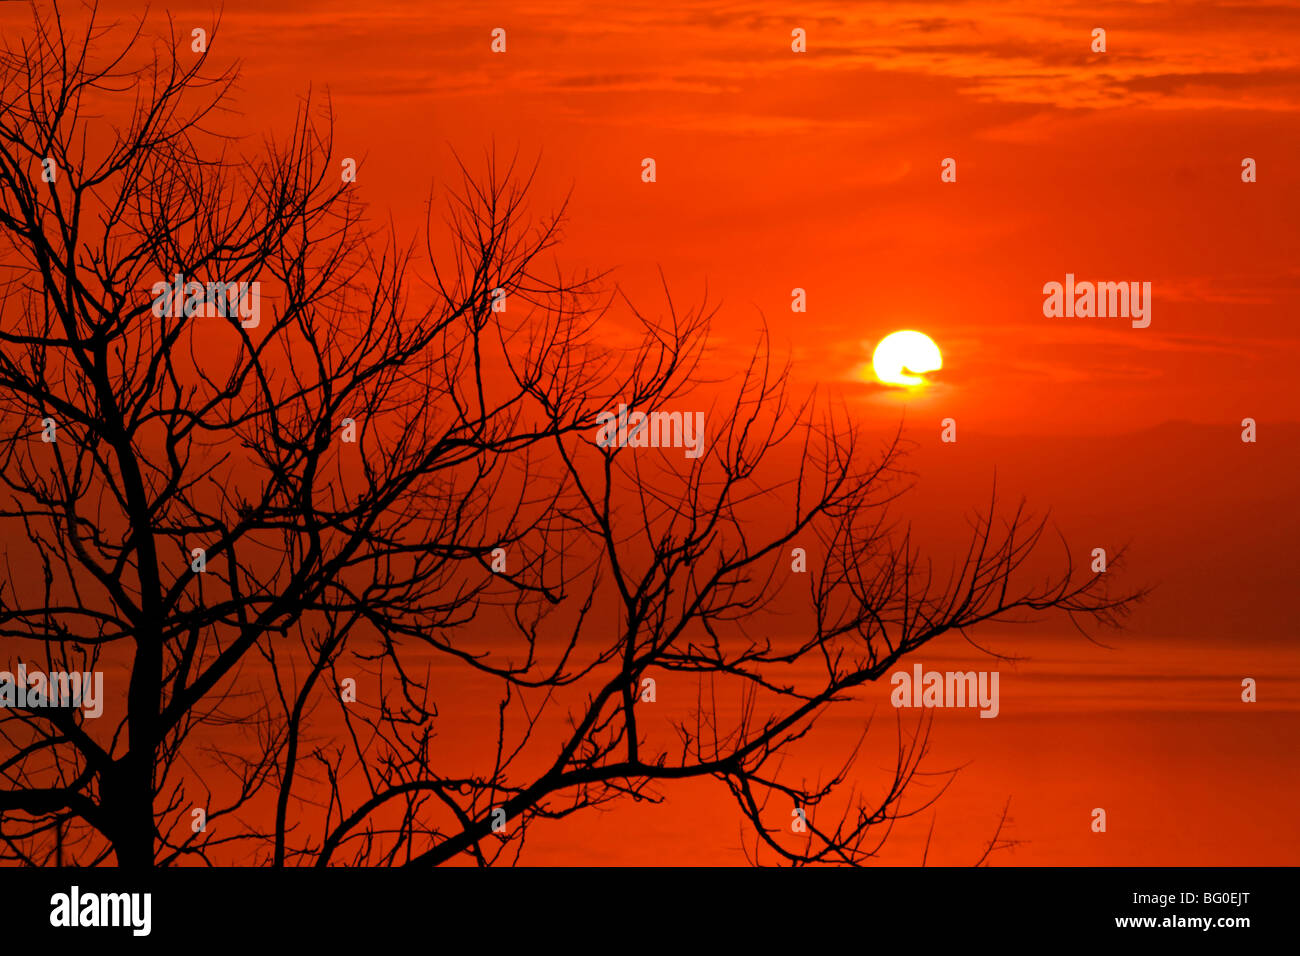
point(386, 478)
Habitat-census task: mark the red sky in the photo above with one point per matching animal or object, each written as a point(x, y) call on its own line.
point(822, 171)
point(778, 170)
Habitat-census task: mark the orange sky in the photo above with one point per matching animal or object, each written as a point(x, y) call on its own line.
point(821, 171)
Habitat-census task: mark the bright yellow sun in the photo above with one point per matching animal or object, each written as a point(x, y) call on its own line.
point(901, 353)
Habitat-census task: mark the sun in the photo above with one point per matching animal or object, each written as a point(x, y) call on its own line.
point(901, 353)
